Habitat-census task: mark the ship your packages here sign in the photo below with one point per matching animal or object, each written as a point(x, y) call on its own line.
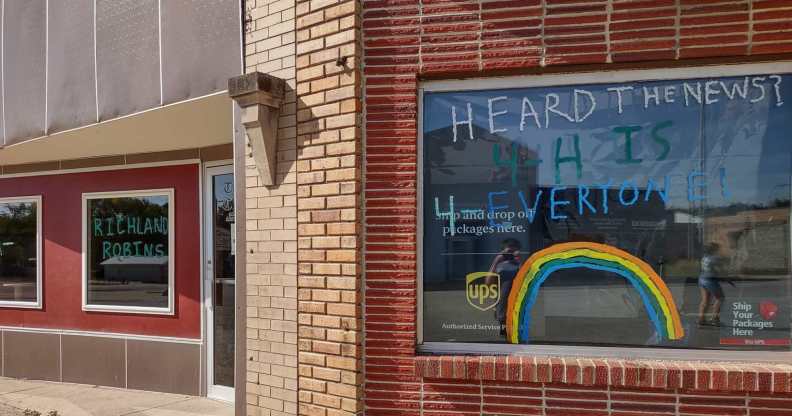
point(658, 169)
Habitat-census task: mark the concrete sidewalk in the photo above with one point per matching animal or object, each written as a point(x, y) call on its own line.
point(19, 396)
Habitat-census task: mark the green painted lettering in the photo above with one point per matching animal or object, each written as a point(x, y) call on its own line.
point(130, 226)
point(138, 251)
point(627, 131)
point(97, 227)
point(109, 221)
point(513, 163)
point(662, 141)
point(126, 249)
point(576, 159)
point(117, 249)
point(106, 246)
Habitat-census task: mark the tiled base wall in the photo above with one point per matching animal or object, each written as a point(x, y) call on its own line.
point(164, 366)
point(442, 397)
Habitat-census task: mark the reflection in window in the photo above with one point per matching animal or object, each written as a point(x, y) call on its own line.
point(684, 180)
point(128, 251)
point(19, 252)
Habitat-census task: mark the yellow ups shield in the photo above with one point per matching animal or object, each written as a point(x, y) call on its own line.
point(482, 290)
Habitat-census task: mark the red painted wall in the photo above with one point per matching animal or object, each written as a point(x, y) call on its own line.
point(409, 40)
point(62, 250)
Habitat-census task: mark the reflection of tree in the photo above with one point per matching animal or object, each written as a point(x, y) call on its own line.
point(129, 206)
point(17, 239)
point(141, 208)
point(16, 218)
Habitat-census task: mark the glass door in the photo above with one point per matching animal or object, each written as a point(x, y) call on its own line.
point(220, 281)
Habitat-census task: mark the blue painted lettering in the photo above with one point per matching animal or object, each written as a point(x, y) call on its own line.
point(583, 193)
point(554, 203)
point(530, 213)
point(692, 186)
point(492, 208)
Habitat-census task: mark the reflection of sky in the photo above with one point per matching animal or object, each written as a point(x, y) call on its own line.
point(161, 200)
point(5, 208)
point(223, 187)
point(746, 140)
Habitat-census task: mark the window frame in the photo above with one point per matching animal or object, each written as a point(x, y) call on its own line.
point(602, 76)
point(170, 309)
point(39, 303)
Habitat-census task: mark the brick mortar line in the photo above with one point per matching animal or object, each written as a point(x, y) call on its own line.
point(751, 18)
point(677, 27)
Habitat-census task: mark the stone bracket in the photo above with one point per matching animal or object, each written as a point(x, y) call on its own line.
point(260, 97)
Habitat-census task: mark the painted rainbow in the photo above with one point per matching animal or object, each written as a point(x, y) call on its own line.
point(655, 294)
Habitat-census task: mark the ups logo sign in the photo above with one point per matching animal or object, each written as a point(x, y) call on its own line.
point(482, 290)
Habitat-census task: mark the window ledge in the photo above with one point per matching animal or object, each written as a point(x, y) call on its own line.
point(668, 375)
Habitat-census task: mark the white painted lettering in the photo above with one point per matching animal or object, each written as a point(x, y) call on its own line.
point(526, 105)
point(619, 99)
point(456, 123)
point(592, 104)
point(690, 92)
point(493, 114)
point(553, 108)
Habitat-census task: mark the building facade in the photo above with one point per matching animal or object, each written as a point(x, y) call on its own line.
point(402, 207)
point(116, 193)
point(471, 174)
point(540, 113)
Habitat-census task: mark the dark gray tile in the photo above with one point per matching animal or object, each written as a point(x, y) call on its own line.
point(93, 360)
point(31, 355)
point(163, 366)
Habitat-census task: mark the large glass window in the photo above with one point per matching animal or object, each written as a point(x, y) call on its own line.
point(20, 252)
point(643, 213)
point(129, 243)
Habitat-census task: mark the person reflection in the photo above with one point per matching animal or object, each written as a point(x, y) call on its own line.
point(711, 291)
point(505, 264)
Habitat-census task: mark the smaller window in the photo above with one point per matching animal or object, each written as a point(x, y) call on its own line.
point(127, 248)
point(20, 252)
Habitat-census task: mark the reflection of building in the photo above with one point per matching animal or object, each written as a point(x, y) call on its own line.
point(136, 269)
point(516, 161)
point(223, 239)
point(756, 241)
point(470, 183)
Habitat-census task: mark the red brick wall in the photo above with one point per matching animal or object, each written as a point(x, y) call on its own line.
point(406, 40)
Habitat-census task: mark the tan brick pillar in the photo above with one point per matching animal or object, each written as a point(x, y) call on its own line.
point(329, 208)
point(269, 323)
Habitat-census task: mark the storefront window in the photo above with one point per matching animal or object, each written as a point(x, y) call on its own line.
point(20, 252)
point(129, 241)
point(639, 213)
